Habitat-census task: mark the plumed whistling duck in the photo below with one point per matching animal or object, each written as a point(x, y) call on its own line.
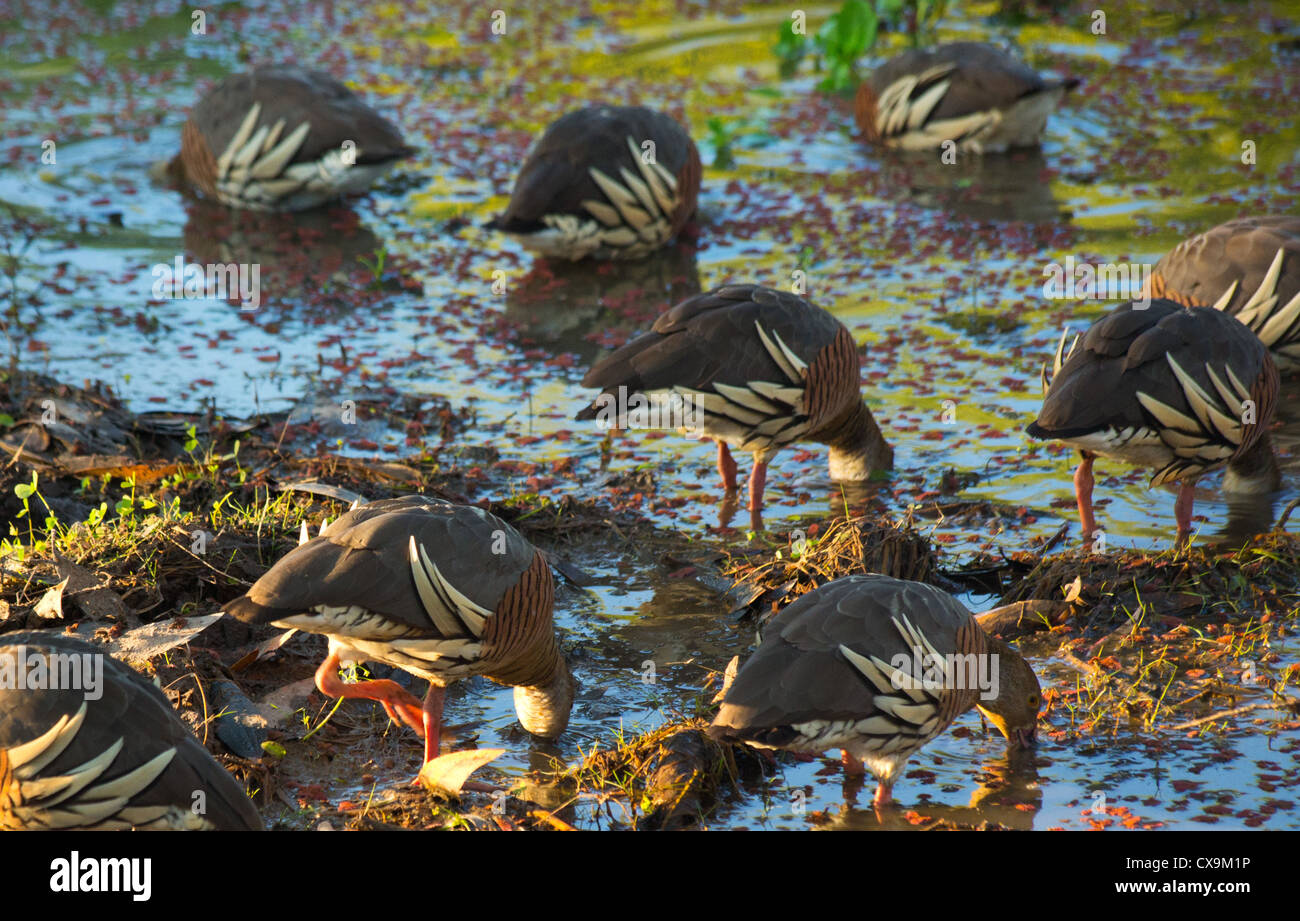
point(1185, 390)
point(972, 93)
point(103, 752)
point(871, 665)
point(283, 138)
point(763, 369)
point(442, 591)
point(1250, 268)
point(604, 182)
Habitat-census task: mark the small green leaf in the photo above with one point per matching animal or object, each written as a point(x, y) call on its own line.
point(855, 29)
point(828, 36)
point(838, 77)
point(274, 749)
point(24, 491)
point(790, 46)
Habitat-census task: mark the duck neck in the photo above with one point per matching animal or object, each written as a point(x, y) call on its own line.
point(544, 709)
point(984, 649)
point(1255, 471)
point(858, 449)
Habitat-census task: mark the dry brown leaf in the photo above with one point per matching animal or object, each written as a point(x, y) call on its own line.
point(50, 606)
point(95, 601)
point(138, 646)
point(77, 577)
point(728, 676)
point(552, 820)
point(262, 650)
point(278, 706)
point(448, 773)
point(119, 468)
point(315, 487)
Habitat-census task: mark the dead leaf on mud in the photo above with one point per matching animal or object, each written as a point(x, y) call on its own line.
point(278, 706)
point(50, 606)
point(120, 468)
point(728, 676)
point(448, 773)
point(138, 646)
point(95, 601)
point(262, 650)
point(329, 490)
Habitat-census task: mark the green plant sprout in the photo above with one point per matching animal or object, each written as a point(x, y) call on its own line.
point(851, 32)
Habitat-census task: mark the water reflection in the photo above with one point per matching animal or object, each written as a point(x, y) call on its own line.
point(585, 306)
point(1015, 186)
point(1009, 795)
point(323, 259)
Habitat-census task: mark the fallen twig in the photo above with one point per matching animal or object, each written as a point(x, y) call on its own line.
point(551, 820)
point(1224, 714)
point(1286, 513)
point(1022, 617)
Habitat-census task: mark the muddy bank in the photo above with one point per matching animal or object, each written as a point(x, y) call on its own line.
point(132, 529)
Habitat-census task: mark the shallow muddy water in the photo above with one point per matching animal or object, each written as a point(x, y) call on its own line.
point(941, 280)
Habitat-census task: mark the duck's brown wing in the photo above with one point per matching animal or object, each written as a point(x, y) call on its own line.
point(1182, 375)
point(1249, 268)
point(828, 665)
point(559, 175)
point(107, 753)
point(295, 96)
point(446, 589)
